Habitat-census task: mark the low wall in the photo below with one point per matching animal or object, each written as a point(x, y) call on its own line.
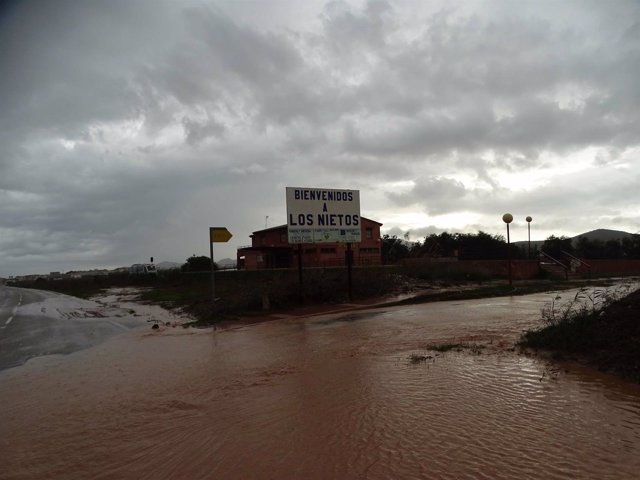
point(521, 269)
point(614, 267)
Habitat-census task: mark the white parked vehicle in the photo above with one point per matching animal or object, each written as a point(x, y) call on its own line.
point(143, 269)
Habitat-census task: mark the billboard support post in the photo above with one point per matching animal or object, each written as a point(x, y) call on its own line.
point(300, 272)
point(349, 262)
point(213, 276)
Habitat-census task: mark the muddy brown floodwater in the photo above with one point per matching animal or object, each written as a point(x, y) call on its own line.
point(323, 397)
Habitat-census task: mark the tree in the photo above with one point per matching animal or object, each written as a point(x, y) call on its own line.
point(613, 249)
point(443, 245)
point(628, 247)
point(586, 248)
point(482, 246)
point(631, 246)
point(198, 264)
point(555, 246)
point(393, 249)
point(467, 246)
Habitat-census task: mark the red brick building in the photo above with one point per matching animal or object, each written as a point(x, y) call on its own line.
point(270, 248)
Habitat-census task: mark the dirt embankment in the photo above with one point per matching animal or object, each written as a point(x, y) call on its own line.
point(608, 340)
point(619, 331)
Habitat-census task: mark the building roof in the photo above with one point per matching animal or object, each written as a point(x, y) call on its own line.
point(270, 229)
point(262, 248)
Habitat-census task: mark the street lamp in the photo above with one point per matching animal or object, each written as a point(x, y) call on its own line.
point(528, 219)
point(508, 218)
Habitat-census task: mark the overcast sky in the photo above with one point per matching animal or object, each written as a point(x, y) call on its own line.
point(128, 127)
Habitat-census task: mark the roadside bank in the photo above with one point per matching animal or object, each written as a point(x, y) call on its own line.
point(598, 328)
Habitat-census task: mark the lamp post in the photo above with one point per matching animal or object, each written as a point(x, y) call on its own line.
point(508, 218)
point(528, 219)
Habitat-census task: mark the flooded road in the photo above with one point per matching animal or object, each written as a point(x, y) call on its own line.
point(331, 396)
point(37, 322)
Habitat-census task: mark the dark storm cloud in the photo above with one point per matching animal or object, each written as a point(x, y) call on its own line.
point(198, 131)
point(130, 125)
point(219, 55)
point(64, 62)
point(474, 83)
point(439, 195)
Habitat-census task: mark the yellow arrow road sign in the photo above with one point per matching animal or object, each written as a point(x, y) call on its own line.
point(219, 234)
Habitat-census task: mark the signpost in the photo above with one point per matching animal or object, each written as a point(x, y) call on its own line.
point(219, 234)
point(216, 235)
point(322, 215)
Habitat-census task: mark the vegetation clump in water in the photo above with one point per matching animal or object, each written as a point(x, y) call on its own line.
point(415, 358)
point(474, 348)
point(601, 327)
point(458, 347)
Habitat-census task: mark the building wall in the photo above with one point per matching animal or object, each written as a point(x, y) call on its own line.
point(274, 237)
point(271, 249)
point(250, 261)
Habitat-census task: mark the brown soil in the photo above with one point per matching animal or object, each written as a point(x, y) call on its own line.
point(608, 340)
point(619, 329)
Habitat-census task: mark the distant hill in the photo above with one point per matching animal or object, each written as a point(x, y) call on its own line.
point(226, 263)
point(602, 235)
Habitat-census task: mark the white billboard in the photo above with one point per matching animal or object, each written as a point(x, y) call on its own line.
point(322, 215)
